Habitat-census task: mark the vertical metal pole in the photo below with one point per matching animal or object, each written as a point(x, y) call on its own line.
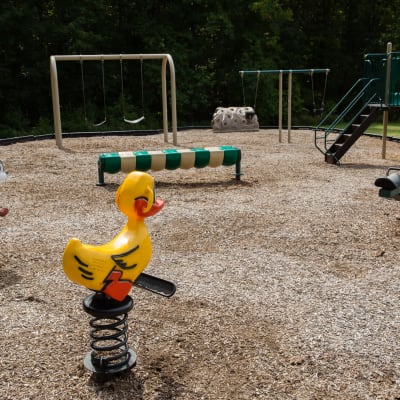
point(56, 102)
point(280, 105)
point(387, 90)
point(173, 99)
point(164, 98)
point(290, 77)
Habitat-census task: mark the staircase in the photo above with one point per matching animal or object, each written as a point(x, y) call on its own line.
point(351, 133)
point(354, 113)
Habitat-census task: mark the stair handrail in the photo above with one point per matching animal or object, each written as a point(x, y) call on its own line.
point(341, 101)
point(359, 111)
point(341, 116)
point(349, 107)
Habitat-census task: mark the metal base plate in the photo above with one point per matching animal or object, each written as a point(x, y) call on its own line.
point(102, 374)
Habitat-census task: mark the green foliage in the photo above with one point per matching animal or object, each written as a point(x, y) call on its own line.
point(209, 42)
point(14, 123)
point(43, 127)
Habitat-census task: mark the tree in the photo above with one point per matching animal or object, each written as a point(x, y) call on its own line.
point(210, 43)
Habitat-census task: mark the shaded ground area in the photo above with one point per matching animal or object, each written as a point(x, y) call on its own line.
point(287, 282)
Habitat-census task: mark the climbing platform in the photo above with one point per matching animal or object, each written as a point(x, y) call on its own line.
point(377, 91)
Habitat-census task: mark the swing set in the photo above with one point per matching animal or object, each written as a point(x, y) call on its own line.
point(166, 59)
point(317, 110)
point(128, 121)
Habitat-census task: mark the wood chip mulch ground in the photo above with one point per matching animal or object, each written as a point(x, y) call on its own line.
point(287, 281)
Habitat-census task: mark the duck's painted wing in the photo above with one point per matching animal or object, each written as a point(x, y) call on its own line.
point(84, 266)
point(129, 260)
point(126, 260)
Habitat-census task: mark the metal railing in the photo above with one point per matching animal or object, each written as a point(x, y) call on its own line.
point(345, 112)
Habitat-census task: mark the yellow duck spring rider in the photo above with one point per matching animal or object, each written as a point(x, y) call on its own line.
point(114, 267)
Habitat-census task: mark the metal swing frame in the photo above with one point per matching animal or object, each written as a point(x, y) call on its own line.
point(166, 60)
point(289, 73)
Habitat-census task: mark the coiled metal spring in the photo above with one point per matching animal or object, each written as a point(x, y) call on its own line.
point(109, 335)
point(109, 341)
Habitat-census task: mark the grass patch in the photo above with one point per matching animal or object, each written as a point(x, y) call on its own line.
point(393, 128)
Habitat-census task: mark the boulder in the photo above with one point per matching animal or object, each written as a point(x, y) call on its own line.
point(227, 119)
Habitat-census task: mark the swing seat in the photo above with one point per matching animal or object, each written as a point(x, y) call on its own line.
point(140, 119)
point(135, 121)
point(101, 123)
point(318, 111)
point(235, 119)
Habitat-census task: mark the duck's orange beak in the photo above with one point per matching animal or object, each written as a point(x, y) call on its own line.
point(142, 210)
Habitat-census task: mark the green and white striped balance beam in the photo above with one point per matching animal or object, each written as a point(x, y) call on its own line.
point(127, 161)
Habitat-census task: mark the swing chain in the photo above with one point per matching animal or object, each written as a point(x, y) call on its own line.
point(84, 93)
point(322, 108)
point(256, 92)
point(104, 94)
point(255, 95)
point(123, 94)
point(83, 90)
point(244, 96)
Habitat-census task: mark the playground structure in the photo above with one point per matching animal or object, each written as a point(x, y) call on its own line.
point(378, 90)
point(166, 59)
point(170, 159)
point(110, 270)
point(289, 73)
